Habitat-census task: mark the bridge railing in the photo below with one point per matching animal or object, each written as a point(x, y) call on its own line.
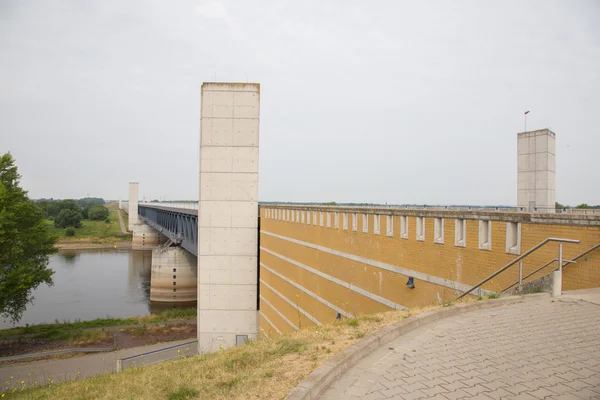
point(188, 205)
point(182, 350)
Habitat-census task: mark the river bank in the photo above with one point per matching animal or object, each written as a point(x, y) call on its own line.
point(106, 234)
point(88, 244)
point(129, 332)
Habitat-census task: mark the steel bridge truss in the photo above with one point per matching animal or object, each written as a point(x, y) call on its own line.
point(178, 224)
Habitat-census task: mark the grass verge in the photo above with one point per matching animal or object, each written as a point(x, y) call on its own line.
point(261, 369)
point(95, 231)
point(67, 330)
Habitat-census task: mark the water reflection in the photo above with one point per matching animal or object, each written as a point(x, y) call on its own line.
point(91, 284)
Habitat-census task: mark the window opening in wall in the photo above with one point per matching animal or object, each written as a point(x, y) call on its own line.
point(288, 215)
point(460, 232)
point(355, 222)
point(365, 223)
point(321, 218)
point(513, 238)
point(376, 224)
point(404, 227)
point(389, 225)
point(485, 235)
point(420, 229)
point(336, 220)
point(345, 221)
point(438, 230)
point(314, 218)
point(298, 216)
point(328, 216)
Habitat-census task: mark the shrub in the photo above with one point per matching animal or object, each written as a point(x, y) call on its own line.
point(70, 231)
point(68, 218)
point(97, 213)
point(107, 221)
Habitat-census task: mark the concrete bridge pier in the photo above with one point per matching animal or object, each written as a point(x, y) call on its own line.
point(173, 277)
point(145, 237)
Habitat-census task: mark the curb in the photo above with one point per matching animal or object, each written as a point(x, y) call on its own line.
point(322, 377)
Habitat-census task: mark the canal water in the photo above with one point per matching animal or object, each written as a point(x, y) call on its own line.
point(90, 284)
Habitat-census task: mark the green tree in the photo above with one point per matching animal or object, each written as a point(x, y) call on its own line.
point(559, 206)
point(68, 218)
point(583, 205)
point(25, 244)
point(98, 213)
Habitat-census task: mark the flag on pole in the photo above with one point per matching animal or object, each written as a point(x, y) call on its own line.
point(527, 112)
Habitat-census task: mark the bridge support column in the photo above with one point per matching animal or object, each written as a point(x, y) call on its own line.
point(145, 237)
point(228, 215)
point(133, 205)
point(174, 275)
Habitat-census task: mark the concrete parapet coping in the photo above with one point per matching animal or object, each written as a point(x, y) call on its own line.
point(321, 378)
point(476, 214)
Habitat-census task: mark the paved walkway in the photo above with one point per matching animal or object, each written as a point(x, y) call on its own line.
point(535, 350)
point(58, 370)
point(122, 223)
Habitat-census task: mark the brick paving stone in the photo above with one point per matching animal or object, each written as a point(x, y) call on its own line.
point(535, 350)
point(434, 382)
point(393, 391)
point(455, 395)
point(542, 393)
point(518, 388)
point(498, 394)
point(475, 390)
point(560, 389)
point(417, 394)
point(522, 396)
point(577, 384)
point(565, 397)
point(587, 394)
point(453, 386)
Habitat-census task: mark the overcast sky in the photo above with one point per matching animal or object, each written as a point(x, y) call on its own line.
point(382, 101)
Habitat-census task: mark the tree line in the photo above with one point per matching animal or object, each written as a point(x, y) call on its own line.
point(69, 212)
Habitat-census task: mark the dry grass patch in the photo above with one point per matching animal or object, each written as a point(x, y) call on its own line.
point(262, 369)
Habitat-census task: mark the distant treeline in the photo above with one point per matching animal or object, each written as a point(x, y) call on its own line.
point(70, 212)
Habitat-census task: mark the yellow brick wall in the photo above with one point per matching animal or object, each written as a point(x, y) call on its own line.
point(467, 265)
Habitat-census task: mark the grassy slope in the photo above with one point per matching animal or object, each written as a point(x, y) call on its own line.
point(262, 369)
point(60, 330)
point(93, 230)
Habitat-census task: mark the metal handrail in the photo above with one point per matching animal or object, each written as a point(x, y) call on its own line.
point(516, 260)
point(565, 263)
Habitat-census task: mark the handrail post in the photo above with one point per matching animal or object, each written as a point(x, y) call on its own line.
point(521, 276)
point(557, 275)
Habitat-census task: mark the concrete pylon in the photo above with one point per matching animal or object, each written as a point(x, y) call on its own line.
point(228, 215)
point(133, 205)
point(536, 170)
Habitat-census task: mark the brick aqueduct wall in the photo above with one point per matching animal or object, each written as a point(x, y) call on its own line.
point(316, 262)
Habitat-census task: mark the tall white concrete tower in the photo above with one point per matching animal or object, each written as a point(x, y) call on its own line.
point(228, 215)
point(536, 169)
point(133, 205)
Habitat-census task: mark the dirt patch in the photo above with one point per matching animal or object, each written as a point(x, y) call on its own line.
point(142, 336)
